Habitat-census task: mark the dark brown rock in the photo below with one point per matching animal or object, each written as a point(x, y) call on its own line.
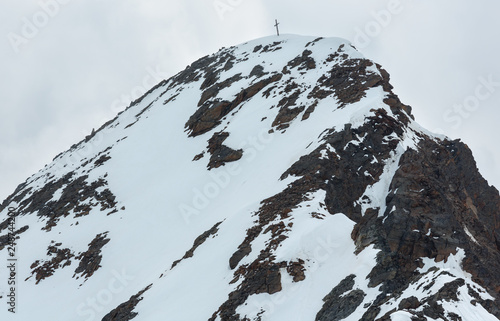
point(257, 71)
point(61, 259)
point(213, 90)
point(338, 175)
point(90, 260)
point(197, 242)
point(287, 111)
point(296, 270)
point(74, 191)
point(260, 277)
point(409, 303)
point(198, 157)
point(221, 154)
point(341, 302)
point(305, 61)
point(125, 311)
point(11, 236)
point(209, 115)
point(427, 218)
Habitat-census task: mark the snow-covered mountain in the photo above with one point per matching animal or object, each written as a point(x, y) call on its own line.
point(280, 179)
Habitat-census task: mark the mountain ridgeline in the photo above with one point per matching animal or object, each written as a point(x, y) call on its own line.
point(281, 179)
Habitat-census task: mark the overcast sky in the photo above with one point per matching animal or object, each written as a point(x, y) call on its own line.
point(67, 66)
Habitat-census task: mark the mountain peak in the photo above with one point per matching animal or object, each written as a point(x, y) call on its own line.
point(278, 179)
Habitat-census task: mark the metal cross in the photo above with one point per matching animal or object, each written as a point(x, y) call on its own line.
point(277, 29)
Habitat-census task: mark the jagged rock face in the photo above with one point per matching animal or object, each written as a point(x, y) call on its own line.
point(319, 198)
point(430, 214)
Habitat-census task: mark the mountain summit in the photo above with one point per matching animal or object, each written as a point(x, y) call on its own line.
point(281, 179)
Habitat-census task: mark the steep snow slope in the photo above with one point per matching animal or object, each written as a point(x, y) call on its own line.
point(264, 182)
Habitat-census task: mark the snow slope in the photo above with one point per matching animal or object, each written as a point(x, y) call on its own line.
point(164, 200)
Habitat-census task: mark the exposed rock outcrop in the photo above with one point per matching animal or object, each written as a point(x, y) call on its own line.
point(221, 154)
point(125, 311)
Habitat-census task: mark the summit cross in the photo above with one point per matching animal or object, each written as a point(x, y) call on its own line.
point(277, 28)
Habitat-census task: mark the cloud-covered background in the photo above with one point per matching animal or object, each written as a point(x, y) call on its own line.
point(68, 66)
